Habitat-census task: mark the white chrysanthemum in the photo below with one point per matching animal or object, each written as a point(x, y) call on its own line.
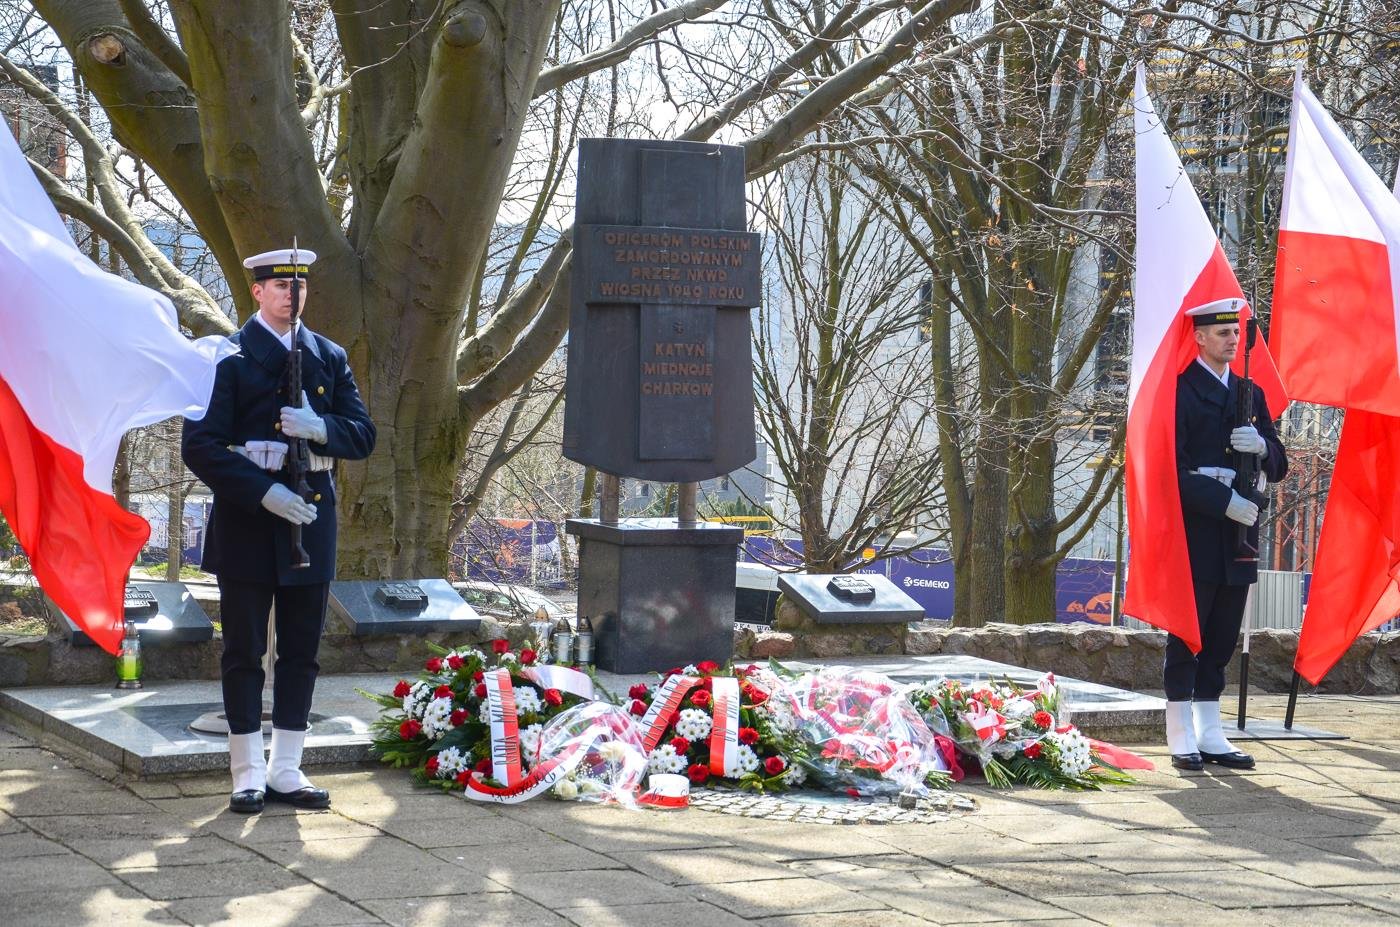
point(566, 789)
point(528, 701)
point(530, 742)
point(507, 657)
point(693, 724)
point(484, 712)
point(747, 759)
point(1072, 748)
point(436, 718)
point(470, 654)
point(665, 759)
point(451, 762)
point(417, 697)
point(796, 774)
point(613, 751)
point(779, 718)
point(690, 670)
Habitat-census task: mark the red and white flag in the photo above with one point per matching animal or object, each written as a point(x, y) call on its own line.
point(1337, 277)
point(1335, 328)
point(84, 357)
point(1180, 265)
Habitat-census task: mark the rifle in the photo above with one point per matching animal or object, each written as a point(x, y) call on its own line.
point(1247, 466)
point(298, 453)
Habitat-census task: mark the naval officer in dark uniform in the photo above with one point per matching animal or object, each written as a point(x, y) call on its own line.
point(239, 450)
point(1209, 445)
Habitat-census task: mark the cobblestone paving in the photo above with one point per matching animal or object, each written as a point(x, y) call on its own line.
point(1311, 837)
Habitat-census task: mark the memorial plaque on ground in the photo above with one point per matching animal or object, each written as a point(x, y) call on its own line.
point(865, 598)
point(163, 613)
point(414, 606)
point(660, 374)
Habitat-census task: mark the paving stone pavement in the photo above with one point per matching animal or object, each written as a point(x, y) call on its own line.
point(1312, 837)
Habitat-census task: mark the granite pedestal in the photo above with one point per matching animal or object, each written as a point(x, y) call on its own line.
point(162, 612)
point(407, 607)
point(658, 595)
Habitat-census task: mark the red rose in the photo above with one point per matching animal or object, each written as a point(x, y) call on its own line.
point(463, 778)
point(1064, 728)
point(500, 645)
point(757, 696)
point(527, 656)
point(640, 690)
point(852, 793)
point(455, 662)
point(707, 667)
point(699, 698)
point(458, 717)
point(680, 744)
point(1042, 719)
point(410, 729)
point(434, 665)
point(638, 707)
point(707, 684)
point(442, 692)
point(401, 689)
point(1032, 751)
point(478, 676)
point(673, 671)
point(698, 773)
point(774, 765)
point(748, 735)
point(480, 690)
point(553, 697)
point(483, 766)
point(431, 767)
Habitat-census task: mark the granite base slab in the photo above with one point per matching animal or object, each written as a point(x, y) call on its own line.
point(146, 733)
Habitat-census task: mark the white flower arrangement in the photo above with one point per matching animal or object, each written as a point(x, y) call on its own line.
point(566, 789)
point(1073, 756)
point(528, 701)
point(694, 724)
point(451, 762)
point(690, 670)
point(530, 743)
point(416, 698)
point(665, 759)
point(436, 718)
point(796, 774)
point(747, 759)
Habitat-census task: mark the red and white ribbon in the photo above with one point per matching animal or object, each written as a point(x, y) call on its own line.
point(664, 704)
point(724, 736)
point(540, 779)
point(505, 729)
point(562, 678)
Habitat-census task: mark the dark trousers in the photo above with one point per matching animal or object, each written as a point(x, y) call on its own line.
point(301, 614)
point(1201, 676)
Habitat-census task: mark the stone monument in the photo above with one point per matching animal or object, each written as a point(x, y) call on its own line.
point(660, 387)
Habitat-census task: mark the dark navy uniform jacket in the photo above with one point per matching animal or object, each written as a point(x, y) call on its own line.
point(1205, 416)
point(244, 541)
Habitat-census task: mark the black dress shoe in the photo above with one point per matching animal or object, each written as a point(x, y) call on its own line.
point(301, 798)
point(1190, 761)
point(248, 801)
point(1232, 760)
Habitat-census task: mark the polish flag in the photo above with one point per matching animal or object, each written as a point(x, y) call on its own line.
point(1335, 329)
point(1338, 269)
point(84, 356)
point(1180, 265)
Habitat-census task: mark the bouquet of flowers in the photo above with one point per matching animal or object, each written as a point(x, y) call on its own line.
point(863, 735)
point(438, 724)
point(599, 747)
point(1014, 735)
point(704, 722)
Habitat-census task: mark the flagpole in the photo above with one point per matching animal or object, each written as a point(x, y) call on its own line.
point(1292, 702)
point(1244, 658)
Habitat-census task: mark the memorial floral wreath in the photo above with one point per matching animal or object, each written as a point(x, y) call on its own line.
point(437, 725)
point(709, 722)
point(1017, 736)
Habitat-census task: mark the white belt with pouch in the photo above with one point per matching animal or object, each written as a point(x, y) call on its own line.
point(272, 455)
point(1227, 476)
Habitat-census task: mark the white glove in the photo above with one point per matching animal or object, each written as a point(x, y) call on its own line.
point(284, 503)
point(1242, 510)
point(303, 423)
point(1245, 439)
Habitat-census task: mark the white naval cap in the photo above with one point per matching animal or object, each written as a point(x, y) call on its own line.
point(279, 263)
point(1218, 312)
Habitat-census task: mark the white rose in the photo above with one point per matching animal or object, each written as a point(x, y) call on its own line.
point(566, 789)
